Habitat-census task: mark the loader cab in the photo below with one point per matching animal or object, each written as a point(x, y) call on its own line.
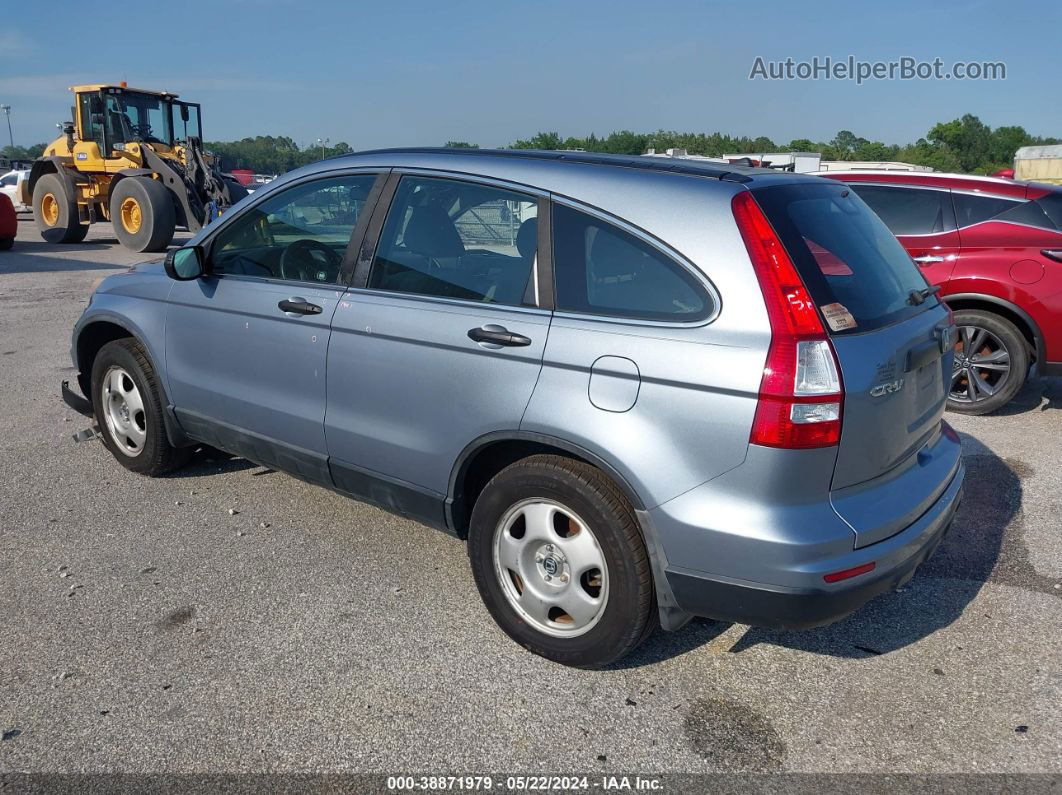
point(186, 122)
point(112, 117)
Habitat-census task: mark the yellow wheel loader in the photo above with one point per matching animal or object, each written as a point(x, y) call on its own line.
point(131, 157)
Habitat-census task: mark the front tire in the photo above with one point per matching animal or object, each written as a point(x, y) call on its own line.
point(991, 363)
point(559, 560)
point(127, 402)
point(56, 212)
point(143, 214)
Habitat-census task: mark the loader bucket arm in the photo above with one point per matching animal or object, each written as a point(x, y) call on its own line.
point(192, 206)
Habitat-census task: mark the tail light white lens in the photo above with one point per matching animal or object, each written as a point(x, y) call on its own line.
point(806, 413)
point(816, 371)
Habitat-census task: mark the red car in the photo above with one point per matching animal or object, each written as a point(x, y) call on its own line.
point(8, 223)
point(994, 247)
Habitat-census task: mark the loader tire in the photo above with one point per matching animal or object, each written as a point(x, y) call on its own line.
point(56, 212)
point(236, 190)
point(143, 214)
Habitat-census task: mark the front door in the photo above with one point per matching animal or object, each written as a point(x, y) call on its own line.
point(246, 345)
point(441, 343)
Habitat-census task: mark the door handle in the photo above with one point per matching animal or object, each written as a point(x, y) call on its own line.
point(927, 259)
point(299, 306)
point(1053, 253)
point(498, 336)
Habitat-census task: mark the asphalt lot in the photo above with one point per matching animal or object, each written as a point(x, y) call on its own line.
point(146, 627)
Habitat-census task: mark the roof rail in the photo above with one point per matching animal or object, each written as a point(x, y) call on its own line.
point(695, 168)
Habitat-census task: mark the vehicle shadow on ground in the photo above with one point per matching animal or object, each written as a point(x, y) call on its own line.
point(32, 257)
point(211, 461)
point(983, 544)
point(1038, 394)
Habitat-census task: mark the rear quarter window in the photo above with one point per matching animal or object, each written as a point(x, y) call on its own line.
point(844, 253)
point(1043, 213)
point(604, 270)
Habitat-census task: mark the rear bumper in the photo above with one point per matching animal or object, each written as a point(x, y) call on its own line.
point(784, 607)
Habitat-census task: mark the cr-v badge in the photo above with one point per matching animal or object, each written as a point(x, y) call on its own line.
point(887, 388)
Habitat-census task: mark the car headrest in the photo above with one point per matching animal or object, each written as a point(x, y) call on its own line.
point(527, 238)
point(431, 232)
point(612, 256)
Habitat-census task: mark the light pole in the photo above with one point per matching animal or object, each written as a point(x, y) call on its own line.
point(321, 145)
point(7, 110)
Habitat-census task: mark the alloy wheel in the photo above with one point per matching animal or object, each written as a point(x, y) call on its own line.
point(981, 366)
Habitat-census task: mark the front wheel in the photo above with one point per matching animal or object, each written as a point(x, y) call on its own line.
point(127, 401)
point(143, 214)
point(991, 362)
point(560, 562)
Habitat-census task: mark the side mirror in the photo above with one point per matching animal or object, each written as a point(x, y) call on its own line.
point(184, 113)
point(185, 264)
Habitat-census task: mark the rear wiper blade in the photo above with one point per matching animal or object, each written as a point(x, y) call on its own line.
point(918, 297)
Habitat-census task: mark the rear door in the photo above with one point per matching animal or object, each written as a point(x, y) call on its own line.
point(893, 344)
point(439, 341)
point(922, 220)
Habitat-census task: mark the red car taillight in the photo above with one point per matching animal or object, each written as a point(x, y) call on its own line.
point(801, 396)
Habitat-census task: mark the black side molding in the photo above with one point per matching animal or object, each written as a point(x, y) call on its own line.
point(75, 401)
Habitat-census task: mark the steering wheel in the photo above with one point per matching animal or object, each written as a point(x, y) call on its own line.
point(310, 261)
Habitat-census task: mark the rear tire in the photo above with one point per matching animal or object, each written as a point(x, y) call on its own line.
point(579, 600)
point(128, 405)
point(995, 343)
point(55, 212)
point(143, 214)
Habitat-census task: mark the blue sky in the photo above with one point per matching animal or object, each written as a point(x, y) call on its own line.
point(420, 73)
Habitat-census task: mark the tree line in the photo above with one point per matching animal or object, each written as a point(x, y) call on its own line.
point(963, 145)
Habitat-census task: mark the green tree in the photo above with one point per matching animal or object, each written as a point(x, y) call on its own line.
point(460, 145)
point(23, 152)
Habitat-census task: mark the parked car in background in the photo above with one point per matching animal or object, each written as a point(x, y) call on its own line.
point(9, 183)
point(8, 223)
point(641, 389)
point(994, 247)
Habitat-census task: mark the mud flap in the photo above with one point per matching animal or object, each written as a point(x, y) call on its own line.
point(672, 617)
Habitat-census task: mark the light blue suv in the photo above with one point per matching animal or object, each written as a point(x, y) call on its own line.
point(642, 390)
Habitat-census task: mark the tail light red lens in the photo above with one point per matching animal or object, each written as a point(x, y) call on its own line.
point(801, 395)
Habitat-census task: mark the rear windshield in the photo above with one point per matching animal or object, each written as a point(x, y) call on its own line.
point(858, 274)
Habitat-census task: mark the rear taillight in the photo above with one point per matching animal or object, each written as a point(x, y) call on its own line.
point(801, 396)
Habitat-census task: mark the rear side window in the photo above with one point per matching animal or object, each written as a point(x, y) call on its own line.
point(604, 270)
point(908, 211)
point(451, 239)
point(971, 209)
point(848, 259)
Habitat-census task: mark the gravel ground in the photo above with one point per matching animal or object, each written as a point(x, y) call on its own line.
point(144, 626)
